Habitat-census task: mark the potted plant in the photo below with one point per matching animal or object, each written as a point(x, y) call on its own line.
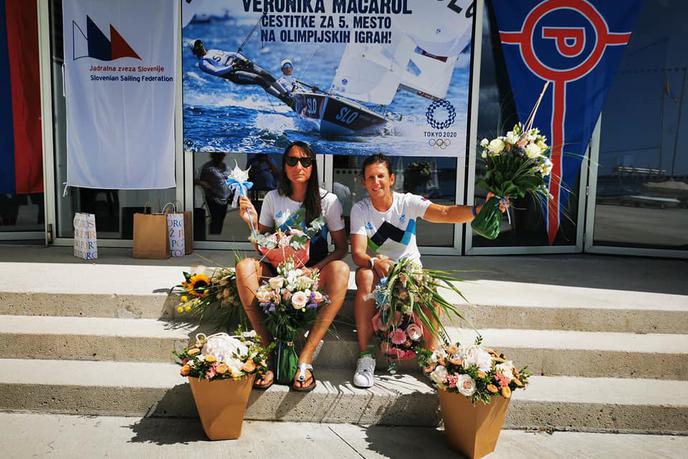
point(474, 386)
point(221, 370)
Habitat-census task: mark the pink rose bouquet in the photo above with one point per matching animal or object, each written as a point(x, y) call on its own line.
point(408, 310)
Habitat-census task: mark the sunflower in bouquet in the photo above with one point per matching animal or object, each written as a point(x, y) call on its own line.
point(290, 301)
point(292, 244)
point(409, 307)
point(517, 165)
point(212, 298)
point(474, 371)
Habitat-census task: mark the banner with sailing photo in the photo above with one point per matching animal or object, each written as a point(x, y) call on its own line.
point(349, 77)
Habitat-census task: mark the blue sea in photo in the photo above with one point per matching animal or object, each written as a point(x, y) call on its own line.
point(222, 116)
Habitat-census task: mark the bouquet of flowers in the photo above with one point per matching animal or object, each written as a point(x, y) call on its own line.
point(290, 302)
point(221, 356)
point(517, 164)
point(212, 298)
point(473, 371)
point(409, 307)
point(292, 244)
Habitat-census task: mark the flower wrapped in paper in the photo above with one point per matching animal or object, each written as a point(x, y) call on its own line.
point(238, 182)
point(290, 301)
point(221, 369)
point(292, 244)
point(517, 165)
point(409, 308)
point(465, 375)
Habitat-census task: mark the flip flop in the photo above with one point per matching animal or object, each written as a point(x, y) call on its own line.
point(258, 386)
point(301, 377)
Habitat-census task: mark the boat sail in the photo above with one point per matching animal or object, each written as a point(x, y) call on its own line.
point(421, 58)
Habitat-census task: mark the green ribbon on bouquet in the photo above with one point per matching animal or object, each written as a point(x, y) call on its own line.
point(487, 222)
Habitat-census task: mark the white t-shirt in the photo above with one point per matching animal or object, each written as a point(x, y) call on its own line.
point(391, 233)
point(281, 211)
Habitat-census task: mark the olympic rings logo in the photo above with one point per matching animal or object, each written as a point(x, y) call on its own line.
point(430, 114)
point(439, 143)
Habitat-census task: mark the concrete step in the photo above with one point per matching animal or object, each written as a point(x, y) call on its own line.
point(588, 354)
point(550, 352)
point(136, 389)
point(545, 352)
point(597, 316)
point(88, 338)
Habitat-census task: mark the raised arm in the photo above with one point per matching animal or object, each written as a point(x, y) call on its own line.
point(437, 213)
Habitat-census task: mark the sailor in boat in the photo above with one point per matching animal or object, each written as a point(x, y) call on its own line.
point(287, 80)
point(238, 69)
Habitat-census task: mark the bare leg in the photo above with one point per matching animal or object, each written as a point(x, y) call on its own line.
point(334, 280)
point(248, 274)
point(364, 310)
point(431, 340)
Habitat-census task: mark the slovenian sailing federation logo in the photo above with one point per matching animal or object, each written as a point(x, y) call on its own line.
point(95, 44)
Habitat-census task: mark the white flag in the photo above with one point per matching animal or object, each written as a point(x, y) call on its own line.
point(119, 60)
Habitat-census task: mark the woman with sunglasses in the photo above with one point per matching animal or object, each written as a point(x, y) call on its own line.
point(295, 203)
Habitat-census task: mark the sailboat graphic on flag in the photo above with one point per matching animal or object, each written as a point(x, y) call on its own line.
point(95, 44)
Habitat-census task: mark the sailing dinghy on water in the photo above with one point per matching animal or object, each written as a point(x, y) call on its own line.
point(420, 58)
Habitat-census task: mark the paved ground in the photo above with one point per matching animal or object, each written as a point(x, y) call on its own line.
point(32, 435)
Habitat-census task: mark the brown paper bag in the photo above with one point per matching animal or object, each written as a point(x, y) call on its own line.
point(188, 232)
point(150, 236)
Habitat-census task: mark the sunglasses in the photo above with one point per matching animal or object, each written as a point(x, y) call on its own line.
point(305, 161)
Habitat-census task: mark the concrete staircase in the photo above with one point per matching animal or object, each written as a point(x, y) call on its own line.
point(603, 360)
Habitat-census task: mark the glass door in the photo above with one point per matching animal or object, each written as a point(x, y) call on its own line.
point(639, 200)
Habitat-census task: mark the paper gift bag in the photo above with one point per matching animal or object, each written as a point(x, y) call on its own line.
point(188, 232)
point(175, 229)
point(151, 239)
point(85, 243)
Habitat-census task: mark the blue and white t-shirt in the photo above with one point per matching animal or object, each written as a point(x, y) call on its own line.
point(391, 233)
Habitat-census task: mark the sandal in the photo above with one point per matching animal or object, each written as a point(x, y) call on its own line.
point(301, 377)
point(258, 386)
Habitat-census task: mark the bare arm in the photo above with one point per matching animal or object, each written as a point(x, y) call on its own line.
point(359, 244)
point(437, 213)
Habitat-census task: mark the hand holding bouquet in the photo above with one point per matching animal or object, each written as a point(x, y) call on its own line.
point(290, 302)
point(473, 371)
point(517, 165)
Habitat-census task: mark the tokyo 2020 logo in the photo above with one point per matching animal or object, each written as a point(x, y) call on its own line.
point(432, 116)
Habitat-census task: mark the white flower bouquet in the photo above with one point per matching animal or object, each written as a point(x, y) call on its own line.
point(221, 356)
point(292, 244)
point(473, 371)
point(290, 302)
point(517, 164)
